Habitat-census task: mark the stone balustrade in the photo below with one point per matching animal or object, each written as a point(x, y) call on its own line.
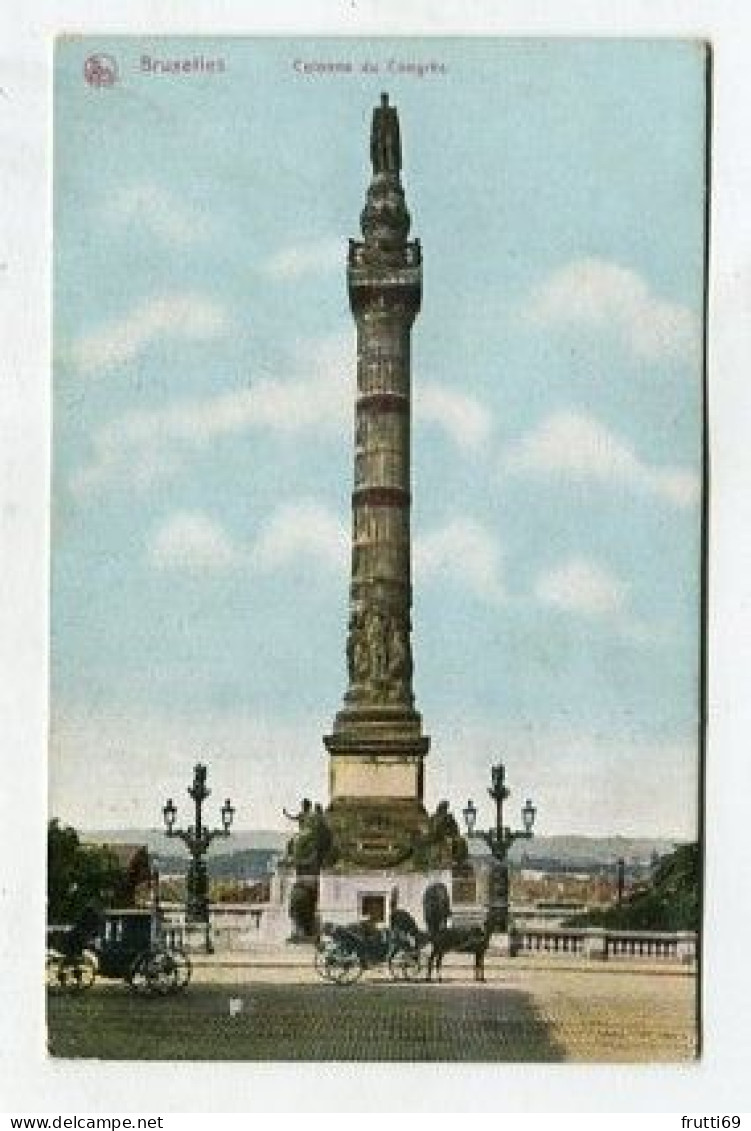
point(546, 940)
point(242, 926)
point(232, 927)
point(602, 943)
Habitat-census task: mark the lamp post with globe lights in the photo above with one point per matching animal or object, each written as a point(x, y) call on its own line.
point(500, 838)
point(197, 839)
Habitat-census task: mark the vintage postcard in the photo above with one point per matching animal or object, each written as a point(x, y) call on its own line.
point(377, 549)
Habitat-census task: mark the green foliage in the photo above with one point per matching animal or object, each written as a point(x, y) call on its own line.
point(78, 876)
point(172, 890)
point(230, 891)
point(670, 903)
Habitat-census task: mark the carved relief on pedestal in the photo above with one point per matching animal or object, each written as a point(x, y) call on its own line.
point(399, 661)
point(379, 657)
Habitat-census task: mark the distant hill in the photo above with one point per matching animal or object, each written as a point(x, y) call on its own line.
point(591, 850)
point(160, 844)
point(248, 864)
point(565, 849)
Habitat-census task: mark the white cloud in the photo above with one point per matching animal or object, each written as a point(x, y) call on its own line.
point(159, 212)
point(193, 542)
point(466, 553)
point(193, 317)
point(302, 532)
point(598, 781)
point(308, 533)
point(318, 257)
point(580, 448)
point(113, 768)
point(141, 446)
point(676, 485)
point(144, 445)
point(597, 294)
point(581, 586)
point(464, 419)
point(587, 589)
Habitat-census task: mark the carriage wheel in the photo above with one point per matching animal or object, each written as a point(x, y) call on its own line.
point(75, 973)
point(183, 968)
point(164, 972)
point(153, 972)
point(330, 962)
point(85, 972)
point(140, 978)
point(52, 971)
point(406, 966)
point(346, 967)
point(323, 962)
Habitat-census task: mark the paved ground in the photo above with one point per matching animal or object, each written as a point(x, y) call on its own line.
point(526, 1011)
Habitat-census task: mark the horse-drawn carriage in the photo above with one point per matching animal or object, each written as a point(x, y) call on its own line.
point(344, 952)
point(130, 944)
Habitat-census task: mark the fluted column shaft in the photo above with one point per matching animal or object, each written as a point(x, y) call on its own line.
point(377, 746)
point(385, 297)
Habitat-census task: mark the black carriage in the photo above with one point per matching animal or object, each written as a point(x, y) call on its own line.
point(135, 945)
point(344, 952)
point(71, 962)
point(67, 966)
point(131, 944)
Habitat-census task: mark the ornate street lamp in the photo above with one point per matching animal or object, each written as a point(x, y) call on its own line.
point(500, 838)
point(197, 839)
point(470, 817)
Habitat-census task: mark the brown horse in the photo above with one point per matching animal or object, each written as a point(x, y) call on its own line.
point(464, 940)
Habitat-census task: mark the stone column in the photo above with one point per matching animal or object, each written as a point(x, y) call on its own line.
point(377, 746)
point(379, 647)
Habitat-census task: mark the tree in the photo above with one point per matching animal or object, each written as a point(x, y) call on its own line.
point(79, 876)
point(229, 891)
point(671, 902)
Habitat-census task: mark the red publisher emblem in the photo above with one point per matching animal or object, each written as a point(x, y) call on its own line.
point(100, 70)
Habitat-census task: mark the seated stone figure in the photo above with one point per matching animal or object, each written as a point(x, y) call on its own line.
point(443, 824)
point(322, 837)
point(443, 844)
point(302, 819)
point(313, 846)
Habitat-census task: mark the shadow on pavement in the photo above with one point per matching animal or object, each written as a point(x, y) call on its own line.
point(371, 1021)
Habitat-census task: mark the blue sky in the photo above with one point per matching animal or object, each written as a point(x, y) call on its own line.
point(203, 392)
